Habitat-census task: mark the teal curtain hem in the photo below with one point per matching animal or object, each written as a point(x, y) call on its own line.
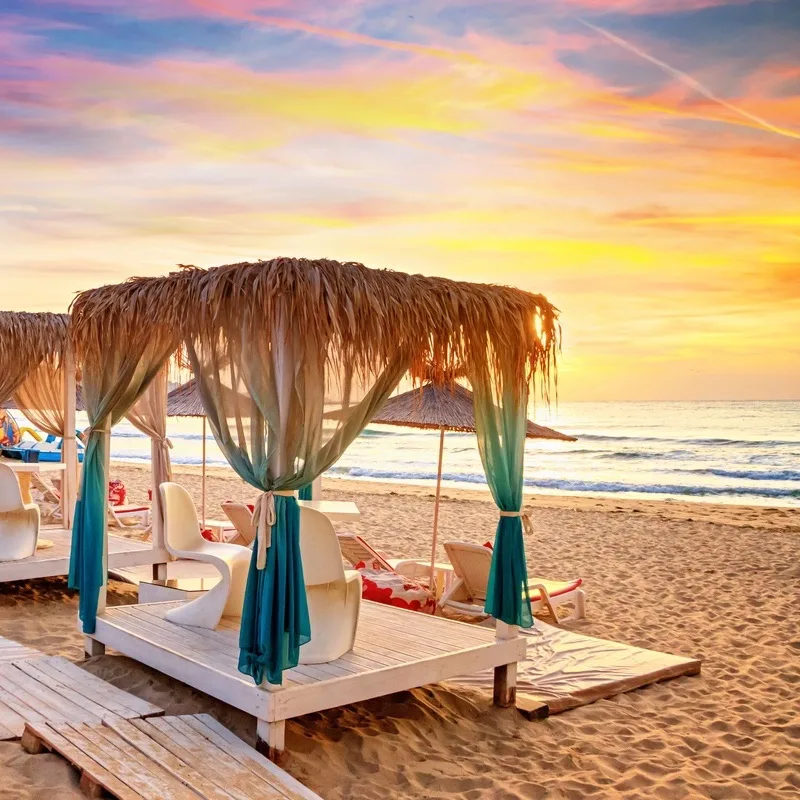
point(86, 553)
point(275, 621)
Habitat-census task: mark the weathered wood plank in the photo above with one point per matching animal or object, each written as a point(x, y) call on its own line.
point(177, 737)
point(177, 767)
point(134, 770)
point(78, 758)
point(231, 744)
point(104, 693)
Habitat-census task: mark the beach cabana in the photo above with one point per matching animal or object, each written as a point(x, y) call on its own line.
point(444, 408)
point(37, 376)
point(276, 348)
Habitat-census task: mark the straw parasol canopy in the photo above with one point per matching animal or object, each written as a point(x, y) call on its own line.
point(444, 408)
point(184, 401)
point(11, 404)
point(364, 315)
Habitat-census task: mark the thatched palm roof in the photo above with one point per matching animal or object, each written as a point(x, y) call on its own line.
point(27, 338)
point(363, 316)
point(438, 407)
point(184, 401)
point(11, 403)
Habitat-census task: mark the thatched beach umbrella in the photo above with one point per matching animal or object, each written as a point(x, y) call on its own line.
point(12, 405)
point(444, 409)
point(184, 401)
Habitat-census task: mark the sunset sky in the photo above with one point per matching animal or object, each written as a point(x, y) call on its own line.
point(637, 161)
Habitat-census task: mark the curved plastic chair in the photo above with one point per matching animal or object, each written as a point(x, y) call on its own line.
point(334, 595)
point(19, 522)
point(184, 540)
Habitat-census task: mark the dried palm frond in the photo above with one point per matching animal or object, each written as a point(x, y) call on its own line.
point(26, 340)
point(361, 317)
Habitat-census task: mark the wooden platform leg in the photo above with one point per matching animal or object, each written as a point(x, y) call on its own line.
point(505, 676)
point(89, 786)
point(270, 738)
point(505, 685)
point(160, 573)
point(31, 743)
point(92, 647)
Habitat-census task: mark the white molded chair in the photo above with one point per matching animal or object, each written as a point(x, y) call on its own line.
point(19, 522)
point(184, 540)
point(472, 563)
point(334, 595)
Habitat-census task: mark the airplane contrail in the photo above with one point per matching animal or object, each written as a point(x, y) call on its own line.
point(691, 82)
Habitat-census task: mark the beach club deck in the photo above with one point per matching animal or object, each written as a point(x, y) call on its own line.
point(395, 650)
point(53, 561)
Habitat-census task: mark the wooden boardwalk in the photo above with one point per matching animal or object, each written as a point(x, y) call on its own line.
point(165, 758)
point(394, 650)
point(53, 561)
point(14, 651)
point(45, 689)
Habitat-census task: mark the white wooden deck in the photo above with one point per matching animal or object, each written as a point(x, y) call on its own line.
point(53, 561)
point(395, 650)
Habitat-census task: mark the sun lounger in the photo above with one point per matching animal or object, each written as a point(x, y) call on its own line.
point(241, 516)
point(357, 550)
point(472, 563)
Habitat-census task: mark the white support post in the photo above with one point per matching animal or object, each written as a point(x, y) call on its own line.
point(69, 447)
point(156, 514)
point(101, 600)
point(505, 676)
point(271, 738)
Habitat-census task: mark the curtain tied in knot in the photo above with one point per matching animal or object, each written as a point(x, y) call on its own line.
point(527, 524)
point(263, 519)
point(164, 442)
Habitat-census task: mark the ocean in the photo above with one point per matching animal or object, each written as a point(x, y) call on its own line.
point(731, 452)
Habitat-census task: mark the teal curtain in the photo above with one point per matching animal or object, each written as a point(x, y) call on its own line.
point(112, 382)
point(266, 388)
point(305, 492)
point(500, 420)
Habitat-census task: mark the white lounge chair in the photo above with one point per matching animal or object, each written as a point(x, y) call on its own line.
point(358, 550)
point(184, 540)
point(19, 522)
point(241, 515)
point(334, 595)
point(472, 563)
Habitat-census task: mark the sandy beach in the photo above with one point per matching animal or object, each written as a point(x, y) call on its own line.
point(719, 582)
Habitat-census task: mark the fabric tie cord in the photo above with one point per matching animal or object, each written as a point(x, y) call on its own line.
point(263, 519)
point(527, 522)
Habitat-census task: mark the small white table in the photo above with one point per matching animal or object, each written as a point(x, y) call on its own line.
point(218, 528)
point(334, 510)
point(24, 470)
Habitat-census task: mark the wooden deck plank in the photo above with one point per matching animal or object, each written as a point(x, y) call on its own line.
point(116, 700)
point(227, 741)
point(62, 688)
point(134, 770)
point(55, 668)
point(177, 767)
point(13, 651)
point(78, 758)
point(122, 552)
point(182, 740)
point(166, 758)
point(42, 697)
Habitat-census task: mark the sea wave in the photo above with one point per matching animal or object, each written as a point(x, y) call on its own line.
point(571, 485)
point(719, 442)
point(780, 475)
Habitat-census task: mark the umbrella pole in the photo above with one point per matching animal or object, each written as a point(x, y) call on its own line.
point(203, 477)
point(436, 509)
